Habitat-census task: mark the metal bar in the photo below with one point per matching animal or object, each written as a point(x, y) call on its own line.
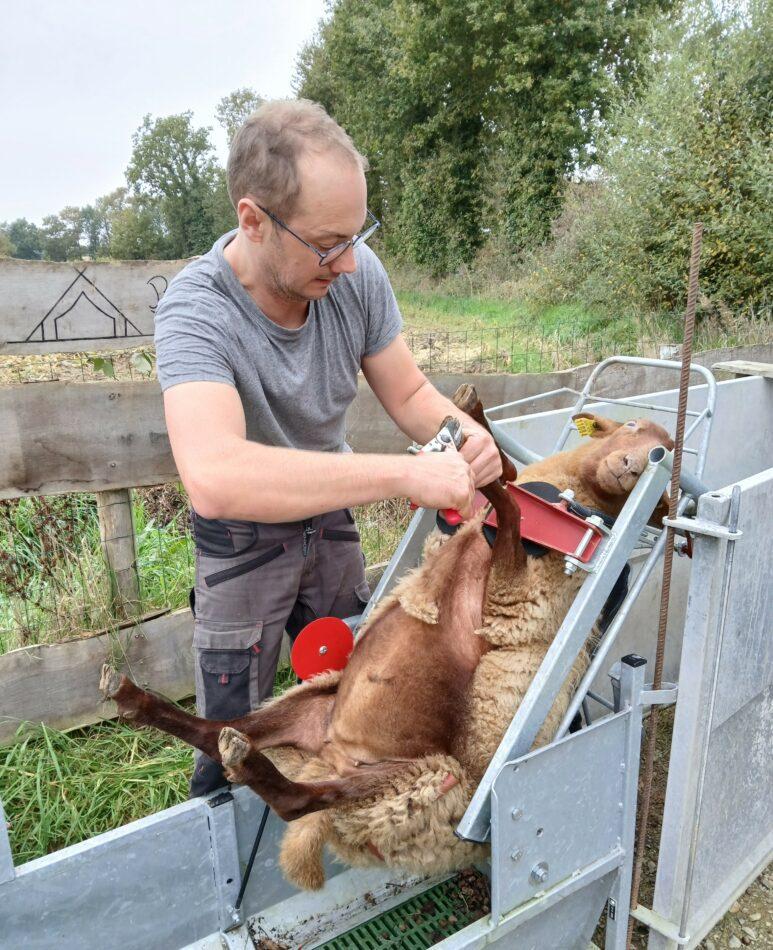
point(534, 398)
point(701, 526)
point(569, 639)
point(601, 701)
point(711, 395)
point(659, 924)
point(225, 858)
point(632, 672)
point(512, 447)
point(7, 872)
point(614, 628)
point(668, 556)
point(735, 502)
point(635, 404)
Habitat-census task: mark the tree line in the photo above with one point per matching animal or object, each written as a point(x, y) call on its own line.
point(567, 146)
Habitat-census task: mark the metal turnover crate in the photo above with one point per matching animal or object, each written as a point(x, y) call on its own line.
point(560, 820)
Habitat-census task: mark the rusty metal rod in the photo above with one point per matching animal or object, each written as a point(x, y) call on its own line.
point(668, 557)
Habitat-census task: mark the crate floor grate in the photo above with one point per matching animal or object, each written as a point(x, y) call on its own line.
point(417, 924)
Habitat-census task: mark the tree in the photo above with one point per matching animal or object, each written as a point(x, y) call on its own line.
point(694, 144)
point(233, 109)
point(62, 235)
point(174, 163)
point(6, 245)
point(473, 113)
point(137, 230)
point(26, 239)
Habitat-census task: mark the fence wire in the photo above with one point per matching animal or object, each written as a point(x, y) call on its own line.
point(54, 580)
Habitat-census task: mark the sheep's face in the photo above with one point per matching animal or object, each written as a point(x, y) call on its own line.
point(619, 452)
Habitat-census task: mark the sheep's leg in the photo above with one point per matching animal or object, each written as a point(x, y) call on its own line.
point(298, 719)
point(466, 399)
point(245, 765)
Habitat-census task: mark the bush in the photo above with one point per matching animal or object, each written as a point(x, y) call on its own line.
point(693, 146)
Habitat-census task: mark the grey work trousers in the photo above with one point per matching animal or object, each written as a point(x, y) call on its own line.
point(253, 581)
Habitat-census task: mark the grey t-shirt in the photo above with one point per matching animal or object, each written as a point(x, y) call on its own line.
point(295, 385)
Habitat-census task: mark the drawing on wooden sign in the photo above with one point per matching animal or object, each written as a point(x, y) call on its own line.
point(162, 280)
point(83, 312)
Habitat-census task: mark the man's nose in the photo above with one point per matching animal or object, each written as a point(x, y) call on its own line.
point(345, 264)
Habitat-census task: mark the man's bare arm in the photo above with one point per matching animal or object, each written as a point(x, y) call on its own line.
point(418, 408)
point(227, 476)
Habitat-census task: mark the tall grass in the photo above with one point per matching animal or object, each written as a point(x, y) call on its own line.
point(61, 788)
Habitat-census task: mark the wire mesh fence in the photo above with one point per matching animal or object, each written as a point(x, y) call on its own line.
point(516, 348)
point(54, 580)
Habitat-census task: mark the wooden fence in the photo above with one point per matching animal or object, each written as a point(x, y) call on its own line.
point(109, 437)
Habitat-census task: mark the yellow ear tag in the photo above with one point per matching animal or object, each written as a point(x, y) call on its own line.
point(585, 426)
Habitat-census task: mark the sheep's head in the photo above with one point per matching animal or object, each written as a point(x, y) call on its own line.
point(619, 451)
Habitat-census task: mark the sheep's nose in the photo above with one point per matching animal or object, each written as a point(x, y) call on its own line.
point(628, 462)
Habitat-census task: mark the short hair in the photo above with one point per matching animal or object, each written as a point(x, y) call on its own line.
point(263, 160)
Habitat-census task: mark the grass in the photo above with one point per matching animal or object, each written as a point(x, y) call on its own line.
point(61, 788)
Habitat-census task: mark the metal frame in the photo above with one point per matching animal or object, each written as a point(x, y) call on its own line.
point(194, 844)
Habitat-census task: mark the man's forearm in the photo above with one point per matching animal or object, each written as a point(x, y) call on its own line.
point(420, 415)
point(255, 482)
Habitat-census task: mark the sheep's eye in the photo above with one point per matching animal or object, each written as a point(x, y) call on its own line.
point(632, 423)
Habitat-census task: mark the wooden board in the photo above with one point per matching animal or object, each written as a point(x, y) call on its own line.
point(59, 683)
point(68, 436)
point(745, 368)
point(59, 437)
point(80, 306)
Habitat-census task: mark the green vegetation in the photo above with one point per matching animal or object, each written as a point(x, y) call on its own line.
point(61, 788)
point(693, 144)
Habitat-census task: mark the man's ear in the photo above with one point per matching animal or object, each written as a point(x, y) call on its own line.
point(597, 427)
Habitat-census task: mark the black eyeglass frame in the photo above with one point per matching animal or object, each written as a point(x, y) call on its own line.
point(326, 257)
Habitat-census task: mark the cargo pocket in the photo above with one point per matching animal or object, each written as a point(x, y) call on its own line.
point(226, 667)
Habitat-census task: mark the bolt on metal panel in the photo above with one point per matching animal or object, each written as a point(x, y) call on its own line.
point(570, 794)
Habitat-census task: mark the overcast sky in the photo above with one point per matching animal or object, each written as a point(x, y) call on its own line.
point(77, 77)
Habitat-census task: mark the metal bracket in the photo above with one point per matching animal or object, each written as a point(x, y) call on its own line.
point(659, 924)
point(658, 697)
point(701, 526)
point(225, 858)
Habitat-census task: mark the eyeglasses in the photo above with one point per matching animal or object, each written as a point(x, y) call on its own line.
point(333, 253)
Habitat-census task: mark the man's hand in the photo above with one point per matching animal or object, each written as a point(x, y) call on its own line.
point(442, 480)
point(481, 454)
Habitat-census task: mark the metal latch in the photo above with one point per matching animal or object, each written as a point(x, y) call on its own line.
point(701, 526)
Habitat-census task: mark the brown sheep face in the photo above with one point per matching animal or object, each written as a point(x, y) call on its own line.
point(619, 452)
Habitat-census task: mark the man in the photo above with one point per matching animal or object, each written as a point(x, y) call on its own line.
point(259, 344)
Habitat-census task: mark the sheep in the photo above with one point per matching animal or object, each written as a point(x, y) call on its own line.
point(379, 761)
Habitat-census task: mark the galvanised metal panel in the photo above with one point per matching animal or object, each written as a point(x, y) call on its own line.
point(557, 810)
point(147, 884)
point(741, 445)
point(718, 818)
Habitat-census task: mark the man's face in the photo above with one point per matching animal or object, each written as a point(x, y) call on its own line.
point(331, 209)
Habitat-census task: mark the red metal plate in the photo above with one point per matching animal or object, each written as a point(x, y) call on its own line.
point(551, 524)
point(323, 645)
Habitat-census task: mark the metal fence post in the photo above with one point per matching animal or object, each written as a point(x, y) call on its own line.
point(632, 670)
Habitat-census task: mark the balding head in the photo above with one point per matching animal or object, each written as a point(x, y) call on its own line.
point(264, 161)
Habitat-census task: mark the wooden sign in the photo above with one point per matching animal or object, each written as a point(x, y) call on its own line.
point(80, 306)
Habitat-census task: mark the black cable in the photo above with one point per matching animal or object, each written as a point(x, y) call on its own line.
point(255, 846)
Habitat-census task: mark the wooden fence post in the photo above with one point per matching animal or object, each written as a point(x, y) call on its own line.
point(116, 532)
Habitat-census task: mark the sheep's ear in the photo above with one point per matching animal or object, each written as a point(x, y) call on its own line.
point(597, 427)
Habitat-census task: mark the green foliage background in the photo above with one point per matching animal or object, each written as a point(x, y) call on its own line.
point(554, 153)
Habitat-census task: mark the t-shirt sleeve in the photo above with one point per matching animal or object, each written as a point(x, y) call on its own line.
point(384, 321)
point(189, 341)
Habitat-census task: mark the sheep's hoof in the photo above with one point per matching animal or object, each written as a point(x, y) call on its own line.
point(234, 747)
point(466, 398)
point(109, 682)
